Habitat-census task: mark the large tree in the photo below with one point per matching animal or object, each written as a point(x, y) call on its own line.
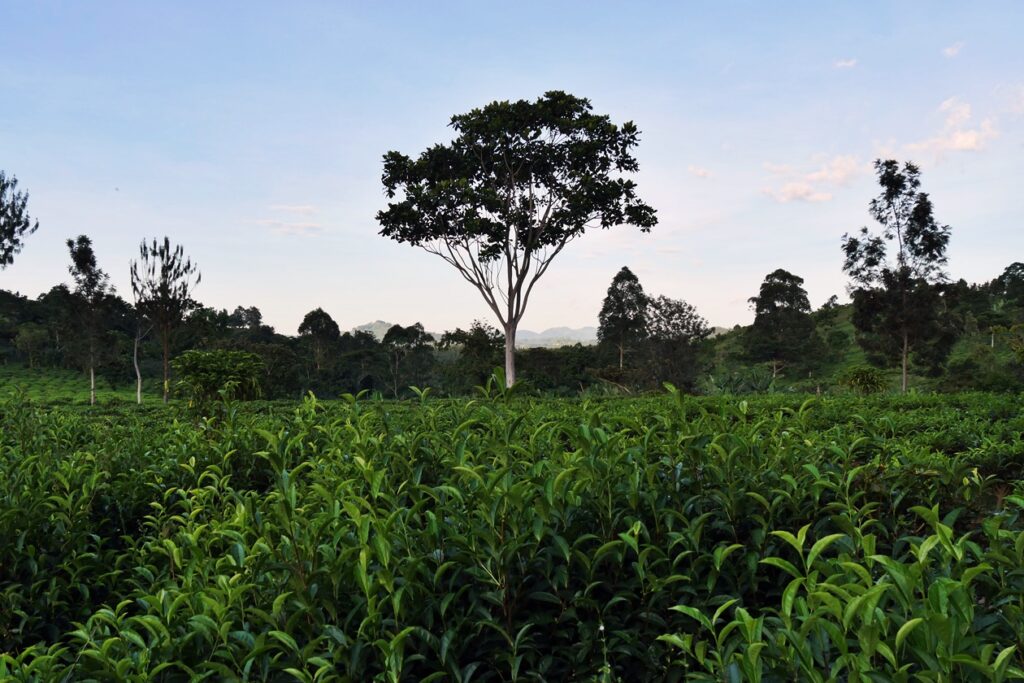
point(519, 181)
point(898, 306)
point(622, 321)
point(783, 330)
point(92, 287)
point(15, 223)
point(163, 280)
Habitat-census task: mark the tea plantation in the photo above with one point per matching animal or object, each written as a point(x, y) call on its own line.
point(502, 538)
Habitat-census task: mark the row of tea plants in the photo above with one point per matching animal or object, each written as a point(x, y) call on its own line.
point(503, 538)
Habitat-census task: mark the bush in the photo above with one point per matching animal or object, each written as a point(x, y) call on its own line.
point(863, 379)
point(205, 376)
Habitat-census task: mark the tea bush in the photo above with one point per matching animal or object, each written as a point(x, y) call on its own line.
point(872, 538)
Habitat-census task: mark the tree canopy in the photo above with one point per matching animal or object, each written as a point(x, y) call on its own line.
point(783, 330)
point(15, 223)
point(519, 181)
point(623, 317)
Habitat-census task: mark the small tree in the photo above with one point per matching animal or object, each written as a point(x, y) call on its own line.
point(675, 330)
point(623, 316)
point(897, 307)
point(783, 330)
point(322, 332)
point(479, 350)
point(162, 284)
point(30, 340)
point(92, 286)
point(519, 182)
point(15, 223)
point(403, 344)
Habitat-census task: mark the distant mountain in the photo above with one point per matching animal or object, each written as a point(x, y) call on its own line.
point(549, 338)
point(556, 336)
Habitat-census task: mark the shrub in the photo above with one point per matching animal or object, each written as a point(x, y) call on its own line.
point(205, 376)
point(863, 379)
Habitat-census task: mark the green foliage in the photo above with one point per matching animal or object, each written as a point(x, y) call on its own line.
point(622, 321)
point(899, 308)
point(205, 376)
point(519, 182)
point(15, 223)
point(663, 538)
point(783, 330)
point(864, 379)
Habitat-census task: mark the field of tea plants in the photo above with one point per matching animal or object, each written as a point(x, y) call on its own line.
point(500, 538)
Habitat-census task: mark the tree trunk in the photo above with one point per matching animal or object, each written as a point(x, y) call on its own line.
point(138, 373)
point(906, 346)
point(622, 352)
point(510, 355)
point(165, 342)
point(92, 384)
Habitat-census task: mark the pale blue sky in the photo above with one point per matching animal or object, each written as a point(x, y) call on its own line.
point(252, 132)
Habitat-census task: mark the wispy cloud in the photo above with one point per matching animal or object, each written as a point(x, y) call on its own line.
point(798, 191)
point(698, 171)
point(957, 135)
point(292, 228)
point(793, 185)
point(954, 49)
point(845, 63)
point(302, 209)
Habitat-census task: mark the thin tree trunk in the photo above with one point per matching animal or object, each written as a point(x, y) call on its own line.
point(906, 346)
point(92, 384)
point(510, 355)
point(621, 354)
point(138, 372)
point(167, 374)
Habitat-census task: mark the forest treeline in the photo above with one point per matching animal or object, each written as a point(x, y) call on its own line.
point(644, 341)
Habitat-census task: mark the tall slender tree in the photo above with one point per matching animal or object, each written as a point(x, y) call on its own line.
point(897, 305)
point(519, 182)
point(15, 223)
point(622, 321)
point(92, 286)
point(163, 280)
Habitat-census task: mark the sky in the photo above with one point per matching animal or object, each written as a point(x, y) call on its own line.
point(252, 133)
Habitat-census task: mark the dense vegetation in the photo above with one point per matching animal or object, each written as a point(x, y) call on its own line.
point(507, 538)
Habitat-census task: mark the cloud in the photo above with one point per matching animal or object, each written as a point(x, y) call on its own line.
point(837, 171)
point(815, 185)
point(957, 135)
point(698, 171)
point(845, 63)
point(292, 228)
point(954, 49)
point(799, 191)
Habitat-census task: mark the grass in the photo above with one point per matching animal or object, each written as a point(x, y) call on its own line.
point(61, 386)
